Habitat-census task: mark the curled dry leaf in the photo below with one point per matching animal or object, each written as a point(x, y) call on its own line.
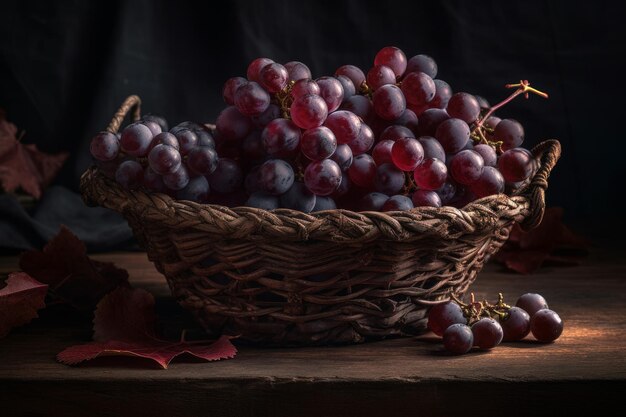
point(551, 241)
point(72, 276)
point(24, 166)
point(124, 325)
point(19, 301)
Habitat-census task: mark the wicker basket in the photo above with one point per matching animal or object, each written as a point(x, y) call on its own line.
point(289, 278)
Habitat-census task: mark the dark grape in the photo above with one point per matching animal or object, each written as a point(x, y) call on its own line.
point(343, 157)
point(380, 75)
point(230, 87)
point(177, 180)
point(382, 152)
point(363, 170)
point(482, 102)
point(304, 87)
point(531, 303)
point(488, 153)
point(298, 197)
point(354, 73)
point(432, 148)
point(281, 138)
point(510, 132)
point(196, 190)
point(324, 203)
point(446, 192)
point(490, 182)
point(227, 177)
point(389, 179)
point(160, 120)
point(272, 112)
point(165, 138)
point(430, 174)
point(443, 315)
point(345, 125)
point(105, 146)
point(187, 140)
point(232, 125)
point(297, 71)
point(263, 201)
point(322, 177)
point(463, 106)
point(389, 102)
point(251, 99)
point(153, 181)
point(418, 88)
point(395, 132)
point(515, 164)
point(331, 91)
point(276, 176)
point(426, 198)
point(252, 149)
point(273, 77)
point(136, 139)
point(546, 325)
point(443, 92)
point(308, 111)
point(422, 63)
point(359, 105)
point(430, 120)
point(372, 202)
point(363, 142)
point(154, 127)
point(254, 69)
point(458, 339)
point(392, 57)
point(487, 333)
point(164, 159)
point(129, 174)
point(397, 203)
point(344, 186)
point(409, 120)
point(515, 325)
point(202, 160)
point(407, 154)
point(348, 88)
point(318, 143)
point(466, 167)
point(205, 138)
point(453, 134)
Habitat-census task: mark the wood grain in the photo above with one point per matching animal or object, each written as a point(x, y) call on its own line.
point(584, 372)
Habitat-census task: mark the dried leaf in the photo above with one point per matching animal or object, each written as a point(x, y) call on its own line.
point(72, 276)
point(24, 166)
point(19, 301)
point(526, 252)
point(124, 325)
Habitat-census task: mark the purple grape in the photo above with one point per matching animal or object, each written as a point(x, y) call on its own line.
point(510, 132)
point(363, 142)
point(430, 174)
point(263, 201)
point(318, 143)
point(490, 182)
point(164, 159)
point(426, 198)
point(430, 120)
point(382, 152)
point(446, 192)
point(160, 120)
point(331, 91)
point(372, 202)
point(251, 99)
point(453, 134)
point(422, 63)
point(359, 105)
point(363, 170)
point(488, 153)
point(354, 73)
point(202, 160)
point(348, 88)
point(516, 324)
point(322, 177)
point(281, 138)
point(395, 132)
point(136, 139)
point(252, 147)
point(255, 67)
point(196, 190)
point(380, 75)
point(297, 71)
point(344, 186)
point(463, 106)
point(546, 325)
point(407, 153)
point(324, 203)
point(487, 333)
point(418, 88)
point(187, 140)
point(272, 112)
point(129, 174)
point(105, 146)
point(515, 164)
point(458, 339)
point(345, 125)
point(443, 315)
point(227, 177)
point(389, 179)
point(392, 57)
point(432, 148)
point(309, 111)
point(298, 197)
point(409, 120)
point(165, 138)
point(343, 157)
point(232, 125)
point(177, 180)
point(531, 303)
point(273, 77)
point(304, 87)
point(154, 127)
point(466, 167)
point(276, 176)
point(230, 87)
point(389, 102)
point(397, 203)
point(153, 181)
point(443, 92)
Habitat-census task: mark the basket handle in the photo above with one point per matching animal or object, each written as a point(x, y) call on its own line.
point(548, 153)
point(131, 103)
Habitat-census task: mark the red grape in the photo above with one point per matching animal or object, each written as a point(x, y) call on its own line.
point(487, 333)
point(382, 152)
point(546, 325)
point(464, 106)
point(232, 125)
point(515, 325)
point(407, 154)
point(488, 153)
point(443, 315)
point(304, 87)
point(281, 138)
point(273, 77)
point(276, 176)
point(430, 174)
point(510, 132)
point(515, 164)
point(393, 58)
point(430, 120)
point(363, 170)
point(531, 303)
point(466, 167)
point(297, 71)
point(202, 160)
point(164, 159)
point(458, 339)
point(322, 177)
point(318, 143)
point(363, 142)
point(230, 87)
point(427, 198)
point(422, 63)
point(331, 91)
point(105, 146)
point(309, 111)
point(136, 139)
point(453, 134)
point(389, 102)
point(177, 180)
point(354, 73)
point(397, 203)
point(251, 99)
point(380, 75)
point(418, 88)
point(490, 182)
point(255, 67)
point(345, 125)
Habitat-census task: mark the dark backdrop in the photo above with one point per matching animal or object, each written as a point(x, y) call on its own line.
point(65, 66)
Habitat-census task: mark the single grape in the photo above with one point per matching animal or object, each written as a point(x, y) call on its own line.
point(205, 137)
point(515, 164)
point(382, 152)
point(372, 202)
point(129, 174)
point(531, 303)
point(202, 160)
point(230, 87)
point(232, 125)
point(430, 120)
point(273, 77)
point(331, 91)
point(488, 153)
point(359, 105)
point(515, 325)
point(344, 186)
point(272, 112)
point(363, 170)
point(453, 134)
point(343, 157)
point(298, 197)
point(432, 148)
point(304, 87)
point(187, 140)
point(447, 192)
point(490, 182)
point(463, 106)
point(392, 57)
point(363, 142)
point(395, 132)
point(487, 333)
point(443, 315)
point(407, 154)
point(324, 203)
point(105, 146)
point(380, 75)
point(227, 177)
point(510, 132)
point(164, 159)
point(418, 88)
point(263, 201)
point(354, 73)
point(422, 63)
point(322, 177)
point(153, 181)
point(389, 179)
point(443, 92)
point(466, 167)
point(546, 325)
point(160, 120)
point(309, 111)
point(389, 102)
point(430, 174)
point(281, 138)
point(196, 190)
point(276, 176)
point(408, 119)
point(348, 88)
point(345, 125)
point(297, 71)
point(458, 339)
point(422, 198)
point(397, 203)
point(318, 143)
point(154, 127)
point(482, 102)
point(136, 139)
point(255, 67)
point(177, 180)
point(251, 99)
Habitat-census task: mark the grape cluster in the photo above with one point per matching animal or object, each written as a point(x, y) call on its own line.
point(392, 139)
point(485, 325)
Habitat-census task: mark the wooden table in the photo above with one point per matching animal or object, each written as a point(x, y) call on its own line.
point(583, 373)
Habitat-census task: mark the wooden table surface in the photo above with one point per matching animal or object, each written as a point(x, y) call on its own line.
point(583, 373)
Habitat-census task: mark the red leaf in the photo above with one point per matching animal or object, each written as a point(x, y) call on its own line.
point(160, 352)
point(19, 301)
point(24, 166)
point(72, 276)
point(124, 326)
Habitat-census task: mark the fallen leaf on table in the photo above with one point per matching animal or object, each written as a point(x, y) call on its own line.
point(551, 241)
point(124, 325)
point(72, 276)
point(19, 301)
point(24, 166)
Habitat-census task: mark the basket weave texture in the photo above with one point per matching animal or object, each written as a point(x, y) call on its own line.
point(284, 277)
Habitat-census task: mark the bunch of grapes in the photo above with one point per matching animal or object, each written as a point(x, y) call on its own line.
point(392, 139)
point(486, 325)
